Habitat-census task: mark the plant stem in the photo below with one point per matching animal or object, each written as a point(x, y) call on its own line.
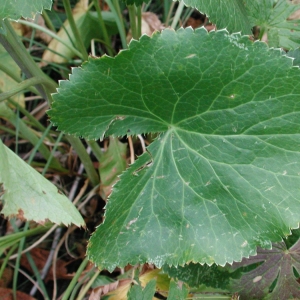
point(8, 241)
point(52, 153)
point(115, 9)
point(27, 133)
point(85, 159)
point(20, 55)
point(36, 147)
point(133, 23)
point(37, 275)
point(7, 257)
point(4, 68)
point(74, 279)
point(96, 149)
point(103, 28)
point(30, 117)
point(167, 21)
point(17, 265)
point(139, 20)
point(177, 14)
point(22, 86)
point(167, 8)
point(48, 21)
point(261, 33)
point(74, 29)
point(87, 286)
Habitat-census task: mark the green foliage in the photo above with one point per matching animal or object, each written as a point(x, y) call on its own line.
point(20, 8)
point(8, 65)
point(228, 155)
point(272, 17)
point(270, 274)
point(275, 266)
point(177, 291)
point(30, 196)
point(222, 175)
point(137, 293)
point(87, 24)
point(232, 14)
point(136, 2)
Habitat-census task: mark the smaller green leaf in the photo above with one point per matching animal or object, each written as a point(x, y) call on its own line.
point(29, 195)
point(178, 290)
point(230, 14)
point(275, 267)
point(281, 31)
point(102, 280)
point(273, 18)
point(137, 293)
point(112, 164)
point(23, 8)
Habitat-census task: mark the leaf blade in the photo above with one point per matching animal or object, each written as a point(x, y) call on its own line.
point(20, 8)
point(29, 195)
point(231, 15)
point(228, 154)
point(272, 265)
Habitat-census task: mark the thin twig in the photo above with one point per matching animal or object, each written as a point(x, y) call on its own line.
point(142, 142)
point(79, 196)
point(48, 263)
point(91, 193)
point(57, 234)
point(34, 245)
point(71, 197)
point(54, 260)
point(66, 239)
point(29, 278)
point(131, 149)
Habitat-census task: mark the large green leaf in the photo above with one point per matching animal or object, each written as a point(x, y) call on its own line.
point(240, 16)
point(22, 8)
point(223, 177)
point(29, 195)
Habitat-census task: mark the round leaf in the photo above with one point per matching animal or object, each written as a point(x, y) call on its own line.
point(223, 177)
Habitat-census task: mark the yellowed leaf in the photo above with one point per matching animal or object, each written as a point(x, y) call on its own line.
point(65, 33)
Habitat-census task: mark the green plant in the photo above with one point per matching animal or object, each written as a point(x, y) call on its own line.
point(222, 176)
